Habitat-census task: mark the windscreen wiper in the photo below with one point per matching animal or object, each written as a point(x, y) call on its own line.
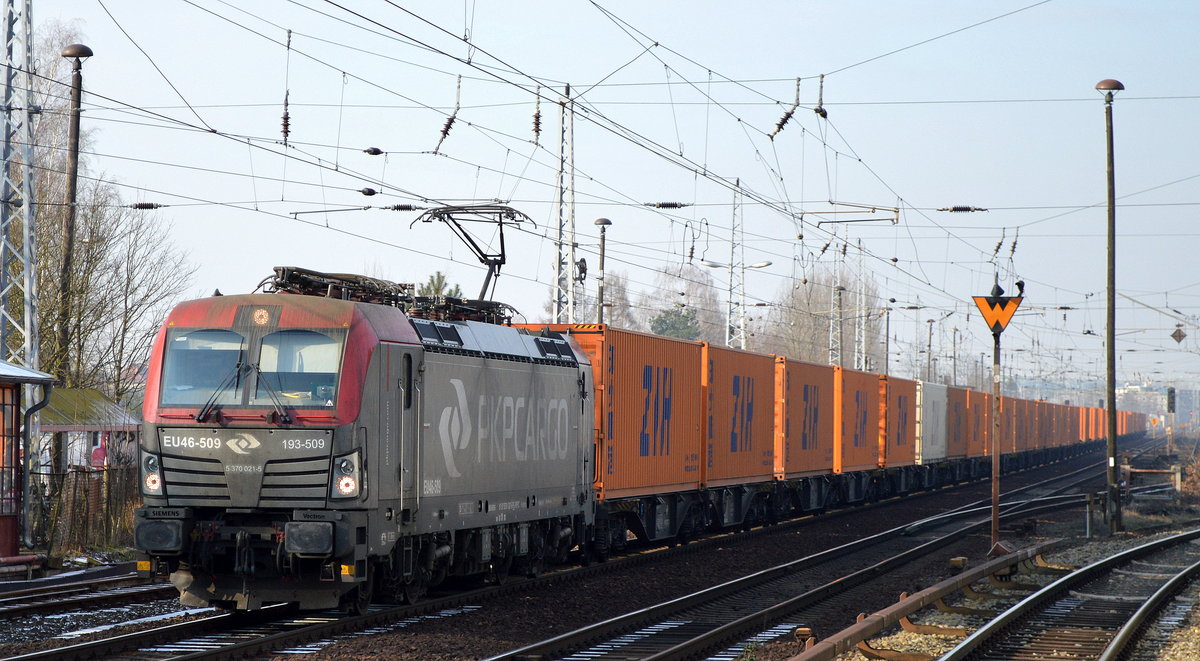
point(276, 400)
point(227, 382)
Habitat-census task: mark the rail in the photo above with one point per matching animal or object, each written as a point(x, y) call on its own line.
point(759, 619)
point(871, 625)
point(1030, 605)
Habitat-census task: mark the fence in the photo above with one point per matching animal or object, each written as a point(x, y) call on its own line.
point(83, 509)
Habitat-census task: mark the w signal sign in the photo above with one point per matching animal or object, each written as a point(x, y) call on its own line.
point(997, 311)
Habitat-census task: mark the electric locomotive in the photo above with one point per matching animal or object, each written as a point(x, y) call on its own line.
point(338, 440)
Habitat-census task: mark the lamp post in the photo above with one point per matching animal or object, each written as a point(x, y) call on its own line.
point(79, 53)
point(603, 224)
point(929, 353)
point(840, 325)
point(887, 335)
point(1107, 87)
point(954, 360)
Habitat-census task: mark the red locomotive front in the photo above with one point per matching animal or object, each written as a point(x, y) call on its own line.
point(253, 469)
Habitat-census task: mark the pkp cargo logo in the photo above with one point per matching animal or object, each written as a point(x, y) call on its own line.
point(242, 443)
point(454, 428)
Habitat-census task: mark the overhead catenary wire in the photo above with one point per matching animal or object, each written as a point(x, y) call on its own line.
point(502, 169)
point(749, 193)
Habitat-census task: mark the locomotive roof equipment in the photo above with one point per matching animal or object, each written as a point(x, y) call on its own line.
point(499, 214)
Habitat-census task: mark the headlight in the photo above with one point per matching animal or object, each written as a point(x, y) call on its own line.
point(347, 485)
point(347, 478)
point(152, 483)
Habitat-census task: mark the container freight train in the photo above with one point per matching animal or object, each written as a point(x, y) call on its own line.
point(338, 440)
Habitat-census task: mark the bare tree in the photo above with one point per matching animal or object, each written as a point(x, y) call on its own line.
point(687, 286)
point(125, 272)
point(618, 309)
point(798, 325)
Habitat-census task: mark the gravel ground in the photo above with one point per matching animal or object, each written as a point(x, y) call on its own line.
point(53, 631)
point(1076, 551)
point(1183, 642)
point(73, 624)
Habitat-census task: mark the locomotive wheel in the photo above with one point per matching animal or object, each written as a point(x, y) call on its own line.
point(531, 564)
point(358, 600)
point(500, 570)
point(412, 592)
point(398, 590)
point(562, 552)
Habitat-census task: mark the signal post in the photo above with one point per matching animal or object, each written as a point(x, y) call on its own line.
point(997, 310)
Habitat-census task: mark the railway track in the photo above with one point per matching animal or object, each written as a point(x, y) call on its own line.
point(764, 606)
point(92, 593)
point(748, 612)
point(246, 637)
point(1094, 613)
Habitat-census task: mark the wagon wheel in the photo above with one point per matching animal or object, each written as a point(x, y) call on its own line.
point(687, 529)
point(601, 541)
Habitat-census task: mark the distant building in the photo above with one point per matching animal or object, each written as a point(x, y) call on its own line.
point(1142, 397)
point(12, 378)
point(91, 430)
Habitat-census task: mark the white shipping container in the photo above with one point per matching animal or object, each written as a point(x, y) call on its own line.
point(931, 422)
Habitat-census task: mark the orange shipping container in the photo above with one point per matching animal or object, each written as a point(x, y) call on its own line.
point(1033, 424)
point(956, 423)
point(1027, 438)
point(739, 395)
point(1021, 435)
point(803, 418)
point(979, 429)
point(856, 420)
point(1041, 424)
point(1008, 425)
point(899, 443)
point(1056, 426)
point(648, 409)
point(1033, 412)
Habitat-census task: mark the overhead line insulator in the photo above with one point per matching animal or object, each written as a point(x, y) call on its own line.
point(666, 205)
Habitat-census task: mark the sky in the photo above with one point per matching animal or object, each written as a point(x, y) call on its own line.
point(927, 105)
